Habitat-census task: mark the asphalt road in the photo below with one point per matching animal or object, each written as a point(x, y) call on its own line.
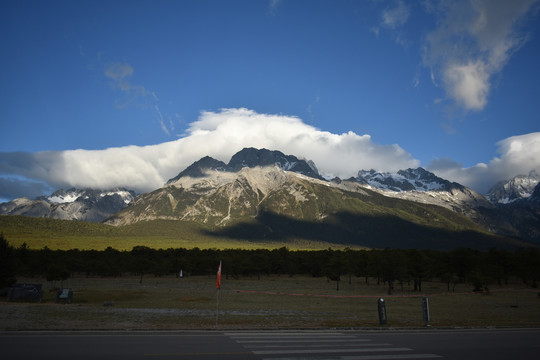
point(274, 345)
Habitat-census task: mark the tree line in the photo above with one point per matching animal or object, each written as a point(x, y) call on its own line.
point(480, 269)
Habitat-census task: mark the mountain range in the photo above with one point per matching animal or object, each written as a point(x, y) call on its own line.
point(510, 208)
point(73, 204)
point(263, 194)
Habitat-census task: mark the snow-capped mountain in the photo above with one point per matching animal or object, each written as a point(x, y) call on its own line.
point(417, 179)
point(266, 172)
point(517, 188)
point(73, 204)
point(68, 196)
point(260, 181)
point(261, 198)
point(518, 205)
point(63, 196)
point(207, 175)
point(422, 186)
point(251, 157)
point(513, 208)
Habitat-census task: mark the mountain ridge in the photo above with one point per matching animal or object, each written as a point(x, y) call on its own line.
point(72, 204)
point(260, 181)
point(410, 179)
point(250, 157)
point(266, 200)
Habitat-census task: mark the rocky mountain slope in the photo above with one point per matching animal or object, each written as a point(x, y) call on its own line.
point(422, 186)
point(517, 207)
point(73, 204)
point(406, 180)
point(269, 193)
point(289, 199)
point(509, 208)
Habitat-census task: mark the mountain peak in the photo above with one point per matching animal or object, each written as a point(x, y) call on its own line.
point(199, 168)
point(250, 157)
point(517, 188)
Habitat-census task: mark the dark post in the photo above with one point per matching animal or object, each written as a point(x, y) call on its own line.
point(381, 306)
point(425, 310)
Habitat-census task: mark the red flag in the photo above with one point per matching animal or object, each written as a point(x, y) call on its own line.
point(218, 281)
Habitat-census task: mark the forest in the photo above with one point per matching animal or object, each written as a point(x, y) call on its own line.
point(480, 269)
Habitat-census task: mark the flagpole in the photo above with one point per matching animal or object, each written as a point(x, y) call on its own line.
point(218, 287)
point(217, 307)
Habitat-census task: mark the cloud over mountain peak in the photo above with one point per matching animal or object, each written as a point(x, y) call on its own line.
point(223, 133)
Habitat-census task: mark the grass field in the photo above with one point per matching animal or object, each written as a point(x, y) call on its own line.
point(54, 234)
point(272, 302)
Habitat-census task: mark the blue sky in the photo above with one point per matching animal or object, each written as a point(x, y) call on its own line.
point(128, 93)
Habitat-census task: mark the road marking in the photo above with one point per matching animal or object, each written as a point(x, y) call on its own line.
point(313, 345)
point(199, 354)
point(369, 357)
point(326, 351)
point(352, 343)
point(283, 333)
point(300, 337)
point(297, 340)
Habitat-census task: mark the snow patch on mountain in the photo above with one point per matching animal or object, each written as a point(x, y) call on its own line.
point(518, 188)
point(72, 204)
point(127, 196)
point(65, 196)
point(405, 180)
point(68, 196)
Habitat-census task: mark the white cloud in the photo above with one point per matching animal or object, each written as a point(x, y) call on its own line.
point(120, 74)
point(273, 6)
point(392, 19)
point(134, 95)
point(223, 133)
point(468, 84)
point(473, 41)
point(217, 134)
point(396, 16)
point(162, 122)
point(518, 155)
point(118, 71)
point(340, 155)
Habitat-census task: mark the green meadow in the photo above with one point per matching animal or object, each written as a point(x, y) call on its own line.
point(38, 233)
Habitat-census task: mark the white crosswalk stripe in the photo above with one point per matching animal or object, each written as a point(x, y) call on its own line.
point(313, 345)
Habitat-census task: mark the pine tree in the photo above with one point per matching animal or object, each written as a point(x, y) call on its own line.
point(7, 263)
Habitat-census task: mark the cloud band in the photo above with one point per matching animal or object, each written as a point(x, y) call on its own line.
point(223, 133)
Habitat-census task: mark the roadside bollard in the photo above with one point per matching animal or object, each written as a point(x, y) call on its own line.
point(425, 310)
point(381, 306)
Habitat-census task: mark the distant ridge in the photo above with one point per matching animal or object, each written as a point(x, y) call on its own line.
point(72, 204)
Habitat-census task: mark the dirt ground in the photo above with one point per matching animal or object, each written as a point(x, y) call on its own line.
point(271, 302)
